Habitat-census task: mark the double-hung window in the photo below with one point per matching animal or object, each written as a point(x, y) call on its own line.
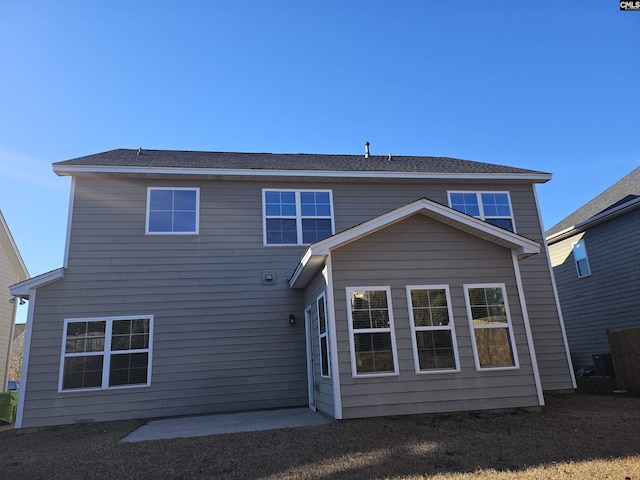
point(491, 328)
point(492, 207)
point(297, 217)
point(582, 260)
point(172, 210)
point(323, 336)
point(432, 329)
point(371, 333)
point(102, 353)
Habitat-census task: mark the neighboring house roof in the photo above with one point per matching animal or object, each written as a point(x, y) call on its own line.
point(11, 250)
point(317, 253)
point(298, 164)
point(615, 200)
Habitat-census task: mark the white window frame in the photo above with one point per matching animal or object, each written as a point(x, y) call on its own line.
point(191, 189)
point(298, 216)
point(106, 353)
point(583, 245)
point(353, 331)
point(415, 328)
point(478, 194)
point(473, 328)
point(323, 335)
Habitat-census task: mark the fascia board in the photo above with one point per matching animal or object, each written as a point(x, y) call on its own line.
point(63, 170)
point(23, 289)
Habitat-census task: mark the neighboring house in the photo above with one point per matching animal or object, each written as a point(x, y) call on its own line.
point(596, 250)
point(201, 282)
point(12, 270)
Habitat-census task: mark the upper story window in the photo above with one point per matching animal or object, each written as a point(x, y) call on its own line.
point(172, 210)
point(297, 217)
point(106, 352)
point(581, 258)
point(492, 207)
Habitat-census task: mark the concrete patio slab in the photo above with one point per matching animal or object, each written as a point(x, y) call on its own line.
point(225, 423)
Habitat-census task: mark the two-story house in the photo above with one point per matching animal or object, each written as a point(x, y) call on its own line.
point(202, 282)
point(595, 250)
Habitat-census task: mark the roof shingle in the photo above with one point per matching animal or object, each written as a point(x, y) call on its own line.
point(288, 161)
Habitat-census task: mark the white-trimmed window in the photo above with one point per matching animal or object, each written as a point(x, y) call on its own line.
point(297, 217)
point(492, 207)
point(172, 210)
point(102, 353)
point(491, 328)
point(582, 260)
point(323, 336)
point(432, 330)
point(371, 332)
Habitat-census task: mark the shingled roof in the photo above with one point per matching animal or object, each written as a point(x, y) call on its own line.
point(625, 191)
point(256, 162)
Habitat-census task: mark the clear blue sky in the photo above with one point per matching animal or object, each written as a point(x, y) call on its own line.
point(551, 85)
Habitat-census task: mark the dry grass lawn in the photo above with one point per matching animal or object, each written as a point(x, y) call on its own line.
point(575, 437)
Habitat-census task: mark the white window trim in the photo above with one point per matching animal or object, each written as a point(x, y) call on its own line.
point(509, 326)
point(106, 354)
point(322, 298)
point(298, 216)
point(352, 331)
point(586, 257)
point(197, 229)
point(478, 194)
point(451, 328)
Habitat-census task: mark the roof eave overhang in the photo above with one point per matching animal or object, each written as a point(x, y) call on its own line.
point(316, 254)
point(71, 170)
point(23, 289)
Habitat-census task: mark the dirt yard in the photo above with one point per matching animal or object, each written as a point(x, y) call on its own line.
point(576, 436)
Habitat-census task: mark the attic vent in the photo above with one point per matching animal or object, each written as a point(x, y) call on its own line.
point(366, 149)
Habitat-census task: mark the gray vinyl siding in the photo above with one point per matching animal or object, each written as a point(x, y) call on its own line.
point(222, 339)
point(431, 253)
point(608, 298)
point(323, 386)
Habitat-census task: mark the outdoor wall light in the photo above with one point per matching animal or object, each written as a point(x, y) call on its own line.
point(292, 319)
